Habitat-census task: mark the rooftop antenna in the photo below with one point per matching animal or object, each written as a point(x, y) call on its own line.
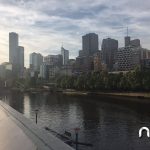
point(127, 31)
point(62, 44)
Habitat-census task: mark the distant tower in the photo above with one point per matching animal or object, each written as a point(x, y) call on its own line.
point(65, 55)
point(127, 39)
point(90, 44)
point(13, 48)
point(13, 53)
point(109, 49)
point(36, 60)
point(21, 60)
point(16, 55)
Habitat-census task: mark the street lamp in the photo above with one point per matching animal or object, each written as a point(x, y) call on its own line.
point(76, 133)
point(36, 113)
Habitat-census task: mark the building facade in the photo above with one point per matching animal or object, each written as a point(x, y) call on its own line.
point(21, 60)
point(90, 44)
point(97, 60)
point(6, 70)
point(130, 57)
point(51, 66)
point(13, 53)
point(124, 59)
point(56, 60)
point(109, 50)
point(65, 55)
point(16, 55)
point(145, 64)
point(36, 60)
point(145, 53)
point(84, 64)
point(133, 43)
point(13, 48)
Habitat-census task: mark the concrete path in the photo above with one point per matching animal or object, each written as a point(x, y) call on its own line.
point(11, 136)
point(19, 133)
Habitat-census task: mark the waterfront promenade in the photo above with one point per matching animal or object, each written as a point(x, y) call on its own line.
point(19, 133)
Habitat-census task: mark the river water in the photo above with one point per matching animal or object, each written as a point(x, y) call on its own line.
point(103, 123)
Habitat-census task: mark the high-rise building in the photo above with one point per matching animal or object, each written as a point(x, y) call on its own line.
point(16, 55)
point(21, 60)
point(109, 50)
point(84, 64)
point(124, 59)
point(13, 52)
point(36, 60)
point(90, 44)
point(145, 64)
point(6, 70)
point(44, 71)
point(145, 53)
point(127, 41)
point(51, 66)
point(130, 57)
point(135, 43)
point(97, 59)
point(55, 60)
point(13, 48)
point(65, 55)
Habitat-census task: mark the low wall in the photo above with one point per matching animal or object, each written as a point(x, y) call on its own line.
point(42, 139)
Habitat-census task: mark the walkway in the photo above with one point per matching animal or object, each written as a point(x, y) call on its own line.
point(19, 133)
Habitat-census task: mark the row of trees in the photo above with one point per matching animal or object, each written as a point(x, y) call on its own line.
point(132, 81)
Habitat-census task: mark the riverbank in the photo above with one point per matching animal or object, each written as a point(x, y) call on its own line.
point(135, 95)
point(132, 94)
point(126, 98)
point(128, 94)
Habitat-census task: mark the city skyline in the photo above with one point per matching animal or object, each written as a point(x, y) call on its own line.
point(42, 29)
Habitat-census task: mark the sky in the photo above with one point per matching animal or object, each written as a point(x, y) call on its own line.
point(43, 25)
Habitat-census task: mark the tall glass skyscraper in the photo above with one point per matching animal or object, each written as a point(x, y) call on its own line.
point(13, 48)
point(36, 60)
point(65, 55)
point(16, 55)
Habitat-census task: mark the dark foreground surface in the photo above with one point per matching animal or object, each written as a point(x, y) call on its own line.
point(102, 122)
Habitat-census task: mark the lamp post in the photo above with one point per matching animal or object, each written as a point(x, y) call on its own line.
point(36, 113)
point(76, 133)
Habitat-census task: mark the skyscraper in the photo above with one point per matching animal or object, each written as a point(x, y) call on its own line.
point(21, 60)
point(90, 44)
point(36, 59)
point(13, 52)
point(65, 55)
point(124, 59)
point(109, 49)
point(127, 41)
point(133, 43)
point(16, 55)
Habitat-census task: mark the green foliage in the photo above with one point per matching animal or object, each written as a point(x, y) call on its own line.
point(132, 81)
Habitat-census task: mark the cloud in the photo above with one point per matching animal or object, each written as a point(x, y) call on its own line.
point(43, 25)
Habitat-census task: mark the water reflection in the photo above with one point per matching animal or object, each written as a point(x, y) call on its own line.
point(105, 124)
point(27, 106)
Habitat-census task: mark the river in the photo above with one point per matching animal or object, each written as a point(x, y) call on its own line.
point(105, 124)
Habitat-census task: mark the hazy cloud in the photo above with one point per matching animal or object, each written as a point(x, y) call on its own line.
point(43, 25)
